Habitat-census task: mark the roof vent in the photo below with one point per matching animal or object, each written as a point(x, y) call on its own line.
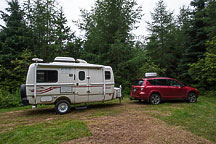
point(80, 61)
point(150, 74)
point(37, 60)
point(64, 59)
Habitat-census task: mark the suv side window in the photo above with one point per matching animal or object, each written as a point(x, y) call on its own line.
point(158, 82)
point(162, 82)
point(174, 83)
point(152, 82)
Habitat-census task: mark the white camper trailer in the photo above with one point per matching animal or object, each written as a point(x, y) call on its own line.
point(68, 81)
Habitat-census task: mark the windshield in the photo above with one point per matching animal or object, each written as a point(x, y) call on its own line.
point(138, 82)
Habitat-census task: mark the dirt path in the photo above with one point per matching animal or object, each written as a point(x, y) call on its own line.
point(135, 127)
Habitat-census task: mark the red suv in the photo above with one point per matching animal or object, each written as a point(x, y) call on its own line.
point(156, 89)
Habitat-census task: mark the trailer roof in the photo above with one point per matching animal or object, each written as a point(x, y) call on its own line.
point(67, 64)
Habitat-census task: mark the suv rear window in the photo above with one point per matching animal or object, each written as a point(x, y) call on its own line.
point(138, 82)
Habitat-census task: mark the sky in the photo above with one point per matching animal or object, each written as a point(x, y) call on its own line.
point(72, 11)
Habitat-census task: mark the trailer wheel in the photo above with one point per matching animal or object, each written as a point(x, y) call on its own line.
point(62, 107)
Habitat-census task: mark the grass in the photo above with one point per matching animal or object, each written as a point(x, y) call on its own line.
point(43, 126)
point(55, 131)
point(199, 118)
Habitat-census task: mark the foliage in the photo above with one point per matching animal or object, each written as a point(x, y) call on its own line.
point(14, 39)
point(9, 99)
point(108, 39)
point(149, 67)
point(204, 70)
point(49, 28)
point(161, 46)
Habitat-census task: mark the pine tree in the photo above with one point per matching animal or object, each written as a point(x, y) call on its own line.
point(108, 38)
point(14, 39)
point(197, 33)
point(161, 45)
point(49, 28)
point(63, 33)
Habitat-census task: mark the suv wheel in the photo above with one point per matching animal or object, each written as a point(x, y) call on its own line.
point(62, 107)
point(192, 97)
point(155, 99)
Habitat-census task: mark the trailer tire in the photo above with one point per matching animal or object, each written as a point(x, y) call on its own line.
point(62, 107)
point(24, 100)
point(23, 91)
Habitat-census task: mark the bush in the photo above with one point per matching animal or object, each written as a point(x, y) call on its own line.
point(203, 71)
point(8, 99)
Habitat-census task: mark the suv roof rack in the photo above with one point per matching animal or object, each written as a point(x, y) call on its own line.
point(148, 75)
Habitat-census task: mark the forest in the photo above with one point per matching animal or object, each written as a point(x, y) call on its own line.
point(179, 46)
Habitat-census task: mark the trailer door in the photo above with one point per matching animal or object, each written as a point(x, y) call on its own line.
point(96, 85)
point(82, 86)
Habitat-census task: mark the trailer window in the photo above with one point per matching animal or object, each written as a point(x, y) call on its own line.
point(107, 75)
point(45, 76)
point(81, 75)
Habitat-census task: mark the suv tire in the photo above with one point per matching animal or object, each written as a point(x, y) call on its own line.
point(155, 99)
point(62, 107)
point(192, 97)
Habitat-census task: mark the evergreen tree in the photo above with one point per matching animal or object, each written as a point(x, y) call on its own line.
point(197, 33)
point(108, 39)
point(49, 28)
point(63, 33)
point(210, 19)
point(14, 39)
point(161, 45)
point(183, 42)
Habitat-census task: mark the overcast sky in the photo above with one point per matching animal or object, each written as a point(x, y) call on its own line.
point(72, 10)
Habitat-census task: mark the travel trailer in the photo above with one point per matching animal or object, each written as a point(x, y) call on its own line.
point(68, 81)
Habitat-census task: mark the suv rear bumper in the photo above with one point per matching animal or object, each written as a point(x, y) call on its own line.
point(139, 96)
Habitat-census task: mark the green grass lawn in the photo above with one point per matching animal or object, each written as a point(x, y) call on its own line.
point(199, 118)
point(52, 132)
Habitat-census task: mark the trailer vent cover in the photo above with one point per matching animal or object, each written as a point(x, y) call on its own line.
point(80, 61)
point(64, 59)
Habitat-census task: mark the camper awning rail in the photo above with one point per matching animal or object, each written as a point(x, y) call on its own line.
point(81, 65)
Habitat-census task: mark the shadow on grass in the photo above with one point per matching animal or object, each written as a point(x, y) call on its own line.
point(162, 102)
